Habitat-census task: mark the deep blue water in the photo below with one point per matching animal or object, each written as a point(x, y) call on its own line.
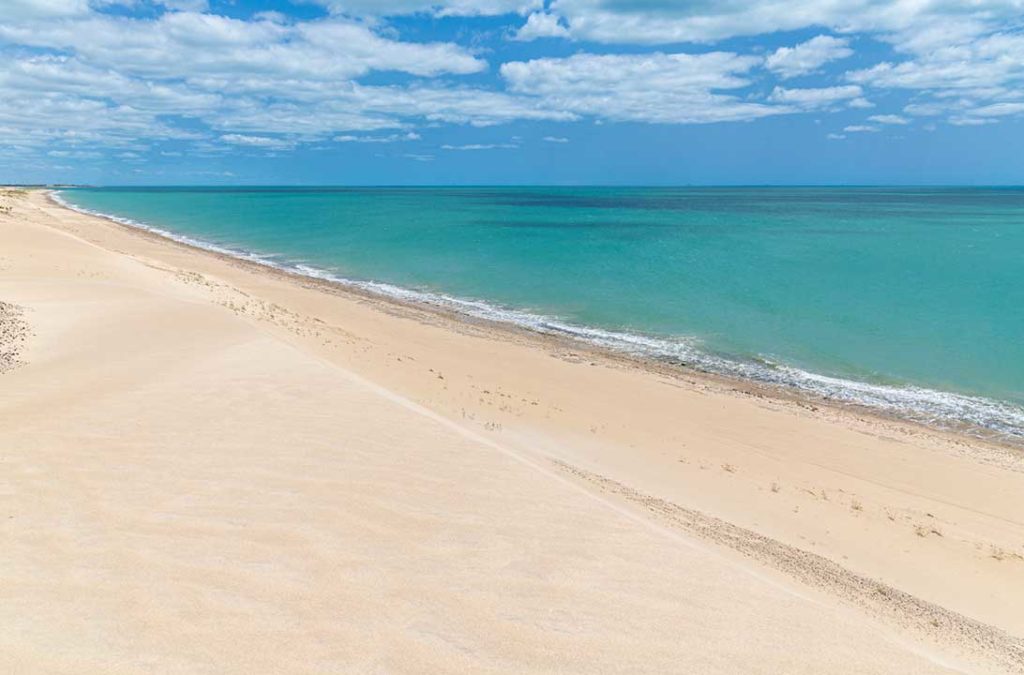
point(904, 298)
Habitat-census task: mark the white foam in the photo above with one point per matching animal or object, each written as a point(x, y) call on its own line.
point(930, 406)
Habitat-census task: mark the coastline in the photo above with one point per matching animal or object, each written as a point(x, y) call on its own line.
point(616, 346)
point(891, 501)
point(987, 419)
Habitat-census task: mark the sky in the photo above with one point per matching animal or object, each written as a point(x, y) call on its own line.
point(430, 92)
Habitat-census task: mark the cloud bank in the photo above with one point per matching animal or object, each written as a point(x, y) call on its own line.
point(133, 76)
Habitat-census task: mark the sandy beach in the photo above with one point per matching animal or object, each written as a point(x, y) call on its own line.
point(210, 466)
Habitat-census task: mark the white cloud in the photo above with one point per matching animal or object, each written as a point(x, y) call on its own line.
point(999, 109)
point(964, 112)
point(555, 139)
point(957, 49)
point(654, 22)
point(807, 56)
point(124, 79)
point(673, 21)
point(63, 75)
point(836, 137)
point(194, 46)
point(481, 146)
point(22, 9)
point(889, 119)
point(859, 128)
point(185, 5)
point(542, 25)
point(981, 63)
point(257, 141)
point(969, 121)
point(666, 88)
point(454, 105)
point(73, 121)
point(815, 97)
point(75, 154)
point(114, 80)
point(435, 7)
point(390, 138)
point(364, 108)
point(924, 109)
point(956, 67)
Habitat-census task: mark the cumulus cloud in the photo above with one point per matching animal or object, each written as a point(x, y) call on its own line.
point(189, 45)
point(23, 9)
point(434, 7)
point(960, 66)
point(966, 49)
point(969, 113)
point(390, 138)
point(481, 146)
point(258, 141)
point(970, 50)
point(541, 25)
point(978, 64)
point(999, 109)
point(185, 5)
point(101, 78)
point(454, 105)
point(75, 154)
point(671, 21)
point(128, 75)
point(665, 88)
point(968, 121)
point(807, 56)
point(815, 97)
point(889, 119)
point(861, 102)
point(665, 21)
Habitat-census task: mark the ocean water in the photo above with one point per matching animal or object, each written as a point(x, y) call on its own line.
point(906, 299)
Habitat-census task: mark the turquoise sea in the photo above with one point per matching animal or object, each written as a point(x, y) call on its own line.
point(906, 299)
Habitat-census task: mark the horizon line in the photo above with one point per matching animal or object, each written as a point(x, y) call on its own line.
point(510, 185)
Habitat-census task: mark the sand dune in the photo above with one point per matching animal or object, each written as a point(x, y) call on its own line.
point(211, 468)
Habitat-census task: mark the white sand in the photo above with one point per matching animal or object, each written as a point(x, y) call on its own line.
point(208, 468)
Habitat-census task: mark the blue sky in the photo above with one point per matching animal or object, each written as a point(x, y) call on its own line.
point(512, 91)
